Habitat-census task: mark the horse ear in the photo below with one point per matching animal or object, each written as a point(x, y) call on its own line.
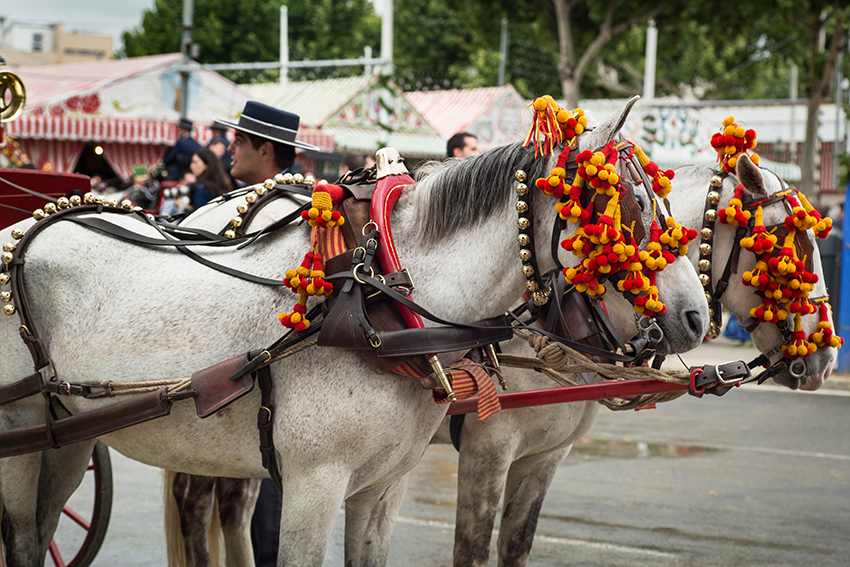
point(749, 176)
point(608, 129)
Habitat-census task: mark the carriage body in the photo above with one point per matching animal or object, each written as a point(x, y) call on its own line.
point(46, 183)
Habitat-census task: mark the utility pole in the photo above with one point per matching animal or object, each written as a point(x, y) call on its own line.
point(503, 52)
point(649, 71)
point(387, 38)
point(186, 48)
point(284, 45)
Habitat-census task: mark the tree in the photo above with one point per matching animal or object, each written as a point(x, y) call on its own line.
point(249, 31)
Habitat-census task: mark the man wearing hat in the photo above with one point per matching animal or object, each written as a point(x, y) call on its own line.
point(178, 158)
point(264, 143)
point(263, 146)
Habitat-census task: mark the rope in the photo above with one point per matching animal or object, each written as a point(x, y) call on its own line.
point(552, 357)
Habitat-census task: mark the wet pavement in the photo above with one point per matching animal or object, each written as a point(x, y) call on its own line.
point(758, 477)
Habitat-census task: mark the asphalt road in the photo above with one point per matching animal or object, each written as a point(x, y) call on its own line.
point(758, 477)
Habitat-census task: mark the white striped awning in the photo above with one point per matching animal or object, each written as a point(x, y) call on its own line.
point(125, 130)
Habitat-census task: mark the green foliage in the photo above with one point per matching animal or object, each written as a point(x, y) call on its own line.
point(249, 30)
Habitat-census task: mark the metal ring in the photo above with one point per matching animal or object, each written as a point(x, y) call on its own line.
point(354, 273)
point(368, 224)
point(375, 340)
point(268, 355)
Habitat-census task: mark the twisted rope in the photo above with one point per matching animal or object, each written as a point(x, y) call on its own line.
point(552, 358)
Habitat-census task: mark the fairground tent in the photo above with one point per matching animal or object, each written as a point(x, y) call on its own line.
point(363, 114)
point(494, 115)
point(128, 107)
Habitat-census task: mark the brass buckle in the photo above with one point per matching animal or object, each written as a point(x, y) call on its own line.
point(367, 225)
point(67, 386)
point(410, 279)
point(268, 412)
point(354, 273)
point(375, 340)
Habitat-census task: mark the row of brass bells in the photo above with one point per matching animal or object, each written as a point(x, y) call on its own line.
point(705, 249)
point(538, 294)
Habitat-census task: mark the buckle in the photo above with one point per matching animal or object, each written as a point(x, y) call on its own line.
point(717, 379)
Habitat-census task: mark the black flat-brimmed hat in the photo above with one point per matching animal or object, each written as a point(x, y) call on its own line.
point(270, 123)
point(185, 124)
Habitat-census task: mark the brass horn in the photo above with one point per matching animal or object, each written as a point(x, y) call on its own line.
point(13, 96)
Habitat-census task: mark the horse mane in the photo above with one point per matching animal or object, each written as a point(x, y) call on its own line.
point(457, 194)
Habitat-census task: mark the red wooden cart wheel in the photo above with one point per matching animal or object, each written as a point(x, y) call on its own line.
point(97, 522)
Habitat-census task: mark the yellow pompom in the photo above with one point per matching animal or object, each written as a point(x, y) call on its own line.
point(728, 120)
point(591, 170)
point(597, 158)
point(540, 104)
point(729, 130)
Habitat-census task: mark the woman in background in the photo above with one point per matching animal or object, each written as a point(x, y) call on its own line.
point(210, 179)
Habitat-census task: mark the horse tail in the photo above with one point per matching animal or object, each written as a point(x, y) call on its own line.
point(174, 545)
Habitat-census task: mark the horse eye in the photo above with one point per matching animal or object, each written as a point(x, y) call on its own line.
point(640, 204)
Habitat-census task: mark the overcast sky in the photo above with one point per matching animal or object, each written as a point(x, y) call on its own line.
point(105, 17)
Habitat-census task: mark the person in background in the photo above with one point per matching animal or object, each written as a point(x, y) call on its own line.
point(351, 162)
point(144, 192)
point(176, 161)
point(461, 145)
point(210, 178)
point(263, 146)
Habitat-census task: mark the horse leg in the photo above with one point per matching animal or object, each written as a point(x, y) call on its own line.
point(236, 500)
point(370, 517)
point(528, 481)
point(482, 468)
point(19, 489)
point(313, 499)
point(195, 497)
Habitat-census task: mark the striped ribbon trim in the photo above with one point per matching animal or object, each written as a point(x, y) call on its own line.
point(329, 242)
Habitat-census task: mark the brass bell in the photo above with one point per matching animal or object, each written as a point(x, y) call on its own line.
point(522, 223)
point(88, 198)
point(525, 254)
point(241, 208)
point(236, 222)
point(298, 178)
point(713, 330)
point(716, 181)
point(5, 278)
point(713, 197)
point(138, 209)
point(287, 178)
point(521, 206)
point(6, 296)
point(278, 178)
point(704, 279)
point(527, 270)
point(151, 217)
point(531, 285)
point(309, 180)
point(520, 175)
point(49, 208)
point(706, 233)
point(523, 239)
point(17, 234)
point(268, 184)
point(9, 309)
point(711, 215)
point(9, 247)
point(540, 297)
point(704, 265)
point(127, 205)
point(521, 189)
point(251, 197)
point(708, 297)
point(38, 214)
point(75, 201)
point(111, 203)
point(260, 191)
point(63, 203)
point(230, 233)
point(705, 249)
point(711, 313)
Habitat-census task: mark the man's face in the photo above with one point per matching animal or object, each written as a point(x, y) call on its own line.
point(470, 148)
point(247, 166)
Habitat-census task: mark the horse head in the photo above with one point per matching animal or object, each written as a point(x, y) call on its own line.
point(682, 313)
point(801, 320)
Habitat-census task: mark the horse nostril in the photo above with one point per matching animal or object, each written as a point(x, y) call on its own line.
point(694, 323)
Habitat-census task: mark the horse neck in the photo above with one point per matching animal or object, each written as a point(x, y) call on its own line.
point(475, 272)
